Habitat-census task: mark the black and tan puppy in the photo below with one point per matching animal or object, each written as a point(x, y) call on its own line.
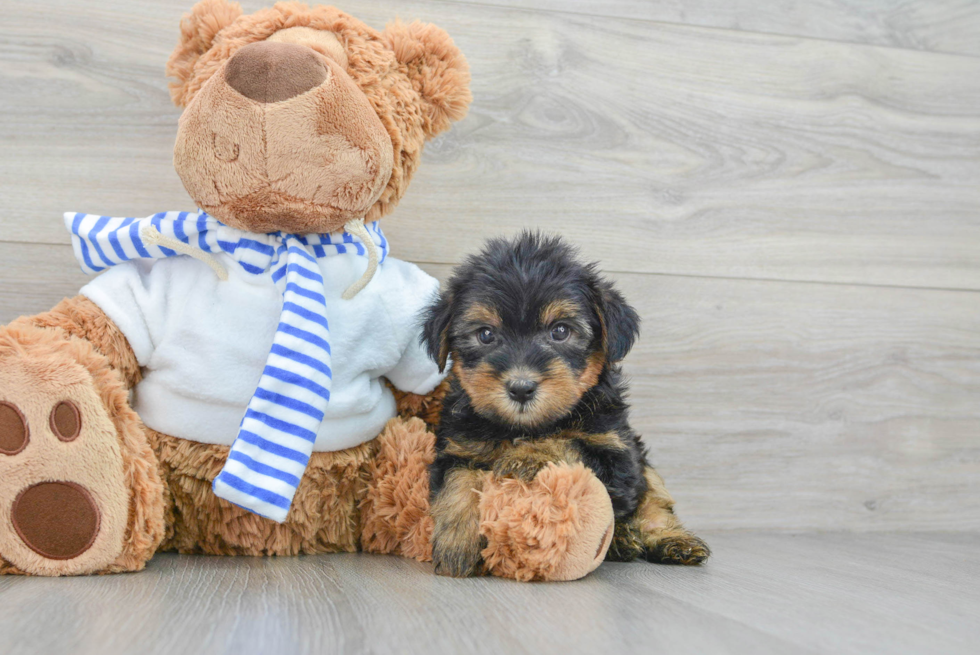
point(535, 339)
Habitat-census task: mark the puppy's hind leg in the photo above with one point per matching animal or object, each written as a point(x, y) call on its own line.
point(655, 533)
point(456, 540)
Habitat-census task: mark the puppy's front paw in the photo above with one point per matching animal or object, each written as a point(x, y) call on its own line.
point(524, 469)
point(685, 549)
point(457, 563)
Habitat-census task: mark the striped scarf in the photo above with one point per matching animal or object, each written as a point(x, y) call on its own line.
point(280, 425)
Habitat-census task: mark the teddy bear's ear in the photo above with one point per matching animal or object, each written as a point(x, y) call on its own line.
point(437, 68)
point(197, 31)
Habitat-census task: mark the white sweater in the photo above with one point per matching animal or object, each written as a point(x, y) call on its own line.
point(203, 343)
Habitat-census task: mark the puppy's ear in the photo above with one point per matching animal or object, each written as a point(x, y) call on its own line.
point(620, 322)
point(435, 331)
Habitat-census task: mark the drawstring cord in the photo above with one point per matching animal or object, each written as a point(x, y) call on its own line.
point(154, 237)
point(356, 227)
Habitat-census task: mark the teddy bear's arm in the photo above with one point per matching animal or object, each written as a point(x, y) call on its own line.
point(81, 318)
point(415, 379)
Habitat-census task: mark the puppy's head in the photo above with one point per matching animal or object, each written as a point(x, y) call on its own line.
point(529, 329)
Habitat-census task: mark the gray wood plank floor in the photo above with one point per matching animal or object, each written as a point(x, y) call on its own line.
point(761, 593)
point(937, 25)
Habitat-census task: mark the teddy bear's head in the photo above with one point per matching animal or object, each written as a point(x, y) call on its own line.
point(301, 118)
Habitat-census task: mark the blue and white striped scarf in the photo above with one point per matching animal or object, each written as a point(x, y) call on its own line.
point(280, 425)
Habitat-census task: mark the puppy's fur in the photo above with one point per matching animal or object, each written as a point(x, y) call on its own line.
point(536, 339)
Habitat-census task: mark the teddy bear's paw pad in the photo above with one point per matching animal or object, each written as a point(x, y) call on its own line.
point(66, 421)
point(64, 499)
point(13, 429)
point(57, 520)
point(685, 549)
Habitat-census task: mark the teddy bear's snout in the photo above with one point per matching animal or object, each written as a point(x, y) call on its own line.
point(273, 72)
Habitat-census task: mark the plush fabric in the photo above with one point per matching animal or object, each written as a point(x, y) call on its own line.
point(273, 72)
point(558, 527)
point(303, 164)
point(323, 517)
point(413, 76)
point(395, 509)
point(326, 43)
point(111, 458)
point(79, 317)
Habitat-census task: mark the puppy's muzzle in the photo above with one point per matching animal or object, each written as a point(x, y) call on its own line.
point(521, 390)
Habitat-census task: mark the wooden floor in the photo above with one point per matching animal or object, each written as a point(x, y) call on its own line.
point(762, 593)
point(789, 192)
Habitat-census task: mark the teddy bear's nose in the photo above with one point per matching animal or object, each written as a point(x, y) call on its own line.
point(272, 72)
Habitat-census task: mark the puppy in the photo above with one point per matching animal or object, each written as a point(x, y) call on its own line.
point(536, 339)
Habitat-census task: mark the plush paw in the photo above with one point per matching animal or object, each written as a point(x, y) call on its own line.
point(683, 549)
point(65, 491)
point(58, 520)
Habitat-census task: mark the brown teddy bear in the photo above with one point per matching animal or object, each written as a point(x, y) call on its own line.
point(121, 430)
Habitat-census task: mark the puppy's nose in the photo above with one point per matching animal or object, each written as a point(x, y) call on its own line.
point(521, 390)
point(272, 72)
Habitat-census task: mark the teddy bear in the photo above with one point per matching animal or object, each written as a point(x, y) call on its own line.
point(150, 413)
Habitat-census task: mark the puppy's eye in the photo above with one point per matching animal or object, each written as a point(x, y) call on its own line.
point(560, 332)
point(486, 336)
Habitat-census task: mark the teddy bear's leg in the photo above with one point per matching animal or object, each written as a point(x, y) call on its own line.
point(80, 491)
point(655, 533)
point(395, 510)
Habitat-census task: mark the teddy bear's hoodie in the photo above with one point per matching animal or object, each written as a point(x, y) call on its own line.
point(203, 342)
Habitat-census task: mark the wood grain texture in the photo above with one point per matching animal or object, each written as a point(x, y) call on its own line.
point(949, 26)
point(35, 277)
point(660, 148)
point(778, 405)
point(761, 593)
